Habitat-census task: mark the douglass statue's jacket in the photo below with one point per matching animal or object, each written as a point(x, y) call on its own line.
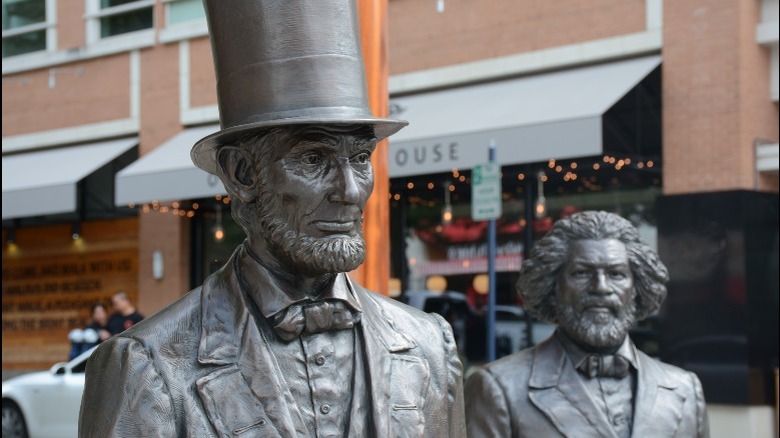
point(203, 367)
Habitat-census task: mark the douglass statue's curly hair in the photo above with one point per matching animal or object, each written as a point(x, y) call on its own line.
point(539, 274)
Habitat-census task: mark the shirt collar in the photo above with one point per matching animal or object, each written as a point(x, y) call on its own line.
point(577, 355)
point(273, 294)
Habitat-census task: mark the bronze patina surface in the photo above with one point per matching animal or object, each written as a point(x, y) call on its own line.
point(280, 64)
point(594, 277)
point(280, 342)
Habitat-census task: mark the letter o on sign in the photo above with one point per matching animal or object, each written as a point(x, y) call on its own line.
point(401, 157)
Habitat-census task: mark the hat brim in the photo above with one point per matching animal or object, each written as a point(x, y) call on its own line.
point(203, 153)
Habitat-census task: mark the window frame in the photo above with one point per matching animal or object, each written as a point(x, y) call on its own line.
point(95, 14)
point(49, 24)
point(167, 4)
point(181, 31)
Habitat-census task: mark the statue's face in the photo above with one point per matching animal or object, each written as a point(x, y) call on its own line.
point(595, 294)
point(312, 216)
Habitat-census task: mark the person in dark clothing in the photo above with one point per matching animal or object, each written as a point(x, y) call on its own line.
point(99, 322)
point(125, 316)
point(93, 333)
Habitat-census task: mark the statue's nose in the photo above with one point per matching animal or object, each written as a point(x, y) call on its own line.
point(601, 286)
point(346, 188)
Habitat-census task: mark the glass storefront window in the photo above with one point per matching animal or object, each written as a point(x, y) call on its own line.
point(430, 246)
point(24, 26)
point(423, 245)
point(215, 237)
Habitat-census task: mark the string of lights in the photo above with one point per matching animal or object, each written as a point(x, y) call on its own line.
point(177, 208)
point(580, 176)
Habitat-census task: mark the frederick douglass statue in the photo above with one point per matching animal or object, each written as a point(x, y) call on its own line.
point(593, 276)
point(280, 342)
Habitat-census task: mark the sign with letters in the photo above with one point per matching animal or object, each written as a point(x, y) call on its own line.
point(45, 297)
point(421, 158)
point(486, 192)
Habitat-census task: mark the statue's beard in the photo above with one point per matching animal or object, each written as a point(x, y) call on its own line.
point(305, 254)
point(597, 330)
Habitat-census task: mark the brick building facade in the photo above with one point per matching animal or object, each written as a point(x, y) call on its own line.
point(83, 74)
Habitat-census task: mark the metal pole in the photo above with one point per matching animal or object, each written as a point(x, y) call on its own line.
point(491, 326)
point(528, 241)
point(401, 258)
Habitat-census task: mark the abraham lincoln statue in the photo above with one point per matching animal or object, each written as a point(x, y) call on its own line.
point(280, 342)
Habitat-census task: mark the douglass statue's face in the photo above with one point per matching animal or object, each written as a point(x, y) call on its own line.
point(312, 214)
point(595, 294)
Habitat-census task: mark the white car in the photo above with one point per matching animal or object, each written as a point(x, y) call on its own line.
point(512, 323)
point(46, 403)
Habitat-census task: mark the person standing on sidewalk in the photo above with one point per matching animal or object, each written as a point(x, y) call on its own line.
point(125, 316)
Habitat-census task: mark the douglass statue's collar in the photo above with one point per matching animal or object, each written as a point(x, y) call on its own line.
point(578, 356)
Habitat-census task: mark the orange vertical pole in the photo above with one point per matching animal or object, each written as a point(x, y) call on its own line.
point(374, 274)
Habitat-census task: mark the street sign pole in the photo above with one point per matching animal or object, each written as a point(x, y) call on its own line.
point(486, 205)
point(491, 329)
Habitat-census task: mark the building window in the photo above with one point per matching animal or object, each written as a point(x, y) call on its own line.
point(184, 11)
point(120, 19)
point(108, 18)
point(184, 19)
point(26, 26)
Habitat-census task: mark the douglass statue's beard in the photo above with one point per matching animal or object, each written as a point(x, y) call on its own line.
point(310, 255)
point(597, 330)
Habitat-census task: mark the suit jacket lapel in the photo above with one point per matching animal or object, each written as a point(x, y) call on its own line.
point(382, 341)
point(658, 406)
point(245, 394)
point(556, 390)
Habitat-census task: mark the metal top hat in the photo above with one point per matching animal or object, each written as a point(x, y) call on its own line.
point(286, 62)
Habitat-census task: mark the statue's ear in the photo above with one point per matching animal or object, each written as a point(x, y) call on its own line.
point(235, 170)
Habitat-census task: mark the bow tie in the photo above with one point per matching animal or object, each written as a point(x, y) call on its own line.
point(606, 365)
point(313, 317)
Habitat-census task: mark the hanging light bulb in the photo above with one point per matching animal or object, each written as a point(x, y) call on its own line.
point(219, 232)
point(440, 6)
point(446, 213)
point(541, 204)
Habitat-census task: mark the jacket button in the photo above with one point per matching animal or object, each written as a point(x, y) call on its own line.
point(325, 408)
point(319, 359)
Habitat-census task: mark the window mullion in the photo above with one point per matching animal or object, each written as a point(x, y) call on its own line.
point(114, 10)
point(26, 29)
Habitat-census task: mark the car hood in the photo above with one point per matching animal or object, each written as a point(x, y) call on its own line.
point(26, 379)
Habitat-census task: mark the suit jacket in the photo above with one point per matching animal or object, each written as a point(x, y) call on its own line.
point(538, 393)
point(203, 367)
